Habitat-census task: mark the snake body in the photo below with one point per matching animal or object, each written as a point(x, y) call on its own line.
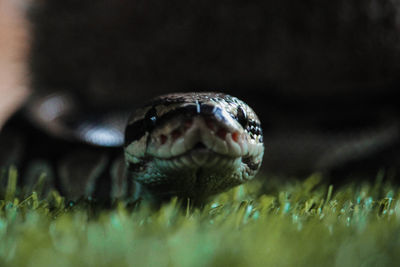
point(191, 145)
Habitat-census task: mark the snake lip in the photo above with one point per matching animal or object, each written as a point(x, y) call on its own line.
point(171, 140)
point(194, 159)
point(198, 156)
point(198, 150)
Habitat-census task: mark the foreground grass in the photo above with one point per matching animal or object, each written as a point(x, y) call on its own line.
point(298, 223)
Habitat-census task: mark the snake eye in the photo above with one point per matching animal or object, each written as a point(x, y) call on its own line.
point(151, 117)
point(242, 117)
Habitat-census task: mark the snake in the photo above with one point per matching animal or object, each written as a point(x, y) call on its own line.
point(196, 145)
point(190, 145)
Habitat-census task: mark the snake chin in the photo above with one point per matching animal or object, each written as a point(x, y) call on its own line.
point(197, 173)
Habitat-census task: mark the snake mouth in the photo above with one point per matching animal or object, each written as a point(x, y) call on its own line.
point(202, 143)
point(199, 155)
point(197, 158)
point(200, 135)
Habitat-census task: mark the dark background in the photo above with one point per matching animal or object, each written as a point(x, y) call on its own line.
point(310, 69)
point(313, 48)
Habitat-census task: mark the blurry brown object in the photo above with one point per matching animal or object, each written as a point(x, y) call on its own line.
point(13, 53)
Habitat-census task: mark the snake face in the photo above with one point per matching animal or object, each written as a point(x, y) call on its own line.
point(193, 144)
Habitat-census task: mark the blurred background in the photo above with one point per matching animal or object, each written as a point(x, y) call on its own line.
point(322, 76)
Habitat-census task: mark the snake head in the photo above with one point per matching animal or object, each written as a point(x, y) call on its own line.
point(193, 144)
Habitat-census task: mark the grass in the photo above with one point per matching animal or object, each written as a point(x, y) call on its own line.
point(280, 223)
